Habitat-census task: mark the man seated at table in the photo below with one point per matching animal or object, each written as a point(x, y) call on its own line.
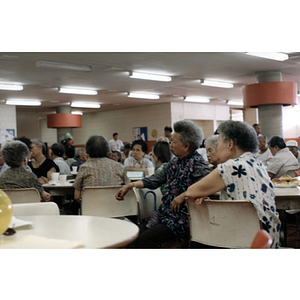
point(293, 147)
point(283, 159)
point(15, 155)
point(137, 162)
point(57, 152)
point(80, 158)
point(99, 170)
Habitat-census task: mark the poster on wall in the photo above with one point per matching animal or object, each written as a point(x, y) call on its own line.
point(6, 135)
point(140, 133)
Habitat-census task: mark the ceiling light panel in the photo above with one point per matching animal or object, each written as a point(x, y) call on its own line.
point(85, 105)
point(196, 99)
point(77, 91)
point(11, 87)
point(143, 96)
point(64, 66)
point(23, 102)
point(270, 55)
point(216, 83)
point(147, 76)
point(235, 102)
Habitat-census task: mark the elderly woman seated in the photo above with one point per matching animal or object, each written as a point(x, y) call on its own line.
point(264, 153)
point(240, 176)
point(183, 170)
point(211, 145)
point(15, 155)
point(98, 170)
point(283, 159)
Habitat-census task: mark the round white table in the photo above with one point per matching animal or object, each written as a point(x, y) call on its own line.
point(90, 232)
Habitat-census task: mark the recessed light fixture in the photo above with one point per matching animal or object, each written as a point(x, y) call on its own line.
point(77, 113)
point(77, 91)
point(11, 87)
point(24, 102)
point(216, 83)
point(196, 99)
point(85, 105)
point(147, 76)
point(143, 96)
point(235, 102)
point(270, 55)
point(58, 65)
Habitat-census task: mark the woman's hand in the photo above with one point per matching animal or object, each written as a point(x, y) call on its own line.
point(199, 201)
point(176, 203)
point(43, 180)
point(46, 197)
point(123, 191)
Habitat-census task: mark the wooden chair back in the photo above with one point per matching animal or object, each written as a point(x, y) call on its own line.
point(223, 223)
point(28, 195)
point(101, 201)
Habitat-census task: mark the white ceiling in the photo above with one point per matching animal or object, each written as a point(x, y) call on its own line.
point(110, 72)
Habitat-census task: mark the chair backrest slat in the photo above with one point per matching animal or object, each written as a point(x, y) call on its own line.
point(34, 209)
point(28, 195)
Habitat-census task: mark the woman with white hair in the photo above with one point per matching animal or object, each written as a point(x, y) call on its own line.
point(15, 155)
point(240, 176)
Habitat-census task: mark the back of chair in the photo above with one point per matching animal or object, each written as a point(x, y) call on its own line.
point(146, 206)
point(223, 223)
point(35, 209)
point(262, 240)
point(29, 195)
point(101, 201)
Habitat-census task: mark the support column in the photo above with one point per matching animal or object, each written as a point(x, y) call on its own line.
point(62, 131)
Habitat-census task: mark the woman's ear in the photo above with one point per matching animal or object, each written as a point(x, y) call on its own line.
point(230, 144)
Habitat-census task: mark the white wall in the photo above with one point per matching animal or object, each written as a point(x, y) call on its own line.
point(8, 118)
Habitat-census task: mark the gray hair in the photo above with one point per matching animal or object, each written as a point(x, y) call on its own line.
point(162, 138)
point(212, 140)
point(97, 146)
point(40, 143)
point(78, 152)
point(14, 153)
point(242, 134)
point(189, 133)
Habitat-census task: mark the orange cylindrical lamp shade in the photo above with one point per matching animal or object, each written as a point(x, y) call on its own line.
point(279, 92)
point(63, 120)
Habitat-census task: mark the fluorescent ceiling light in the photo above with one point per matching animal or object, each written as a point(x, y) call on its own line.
point(85, 105)
point(143, 96)
point(270, 55)
point(77, 91)
point(148, 76)
point(216, 83)
point(24, 102)
point(57, 65)
point(11, 87)
point(77, 113)
point(196, 99)
point(235, 102)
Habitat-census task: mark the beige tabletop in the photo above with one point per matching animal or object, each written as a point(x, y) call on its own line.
point(71, 232)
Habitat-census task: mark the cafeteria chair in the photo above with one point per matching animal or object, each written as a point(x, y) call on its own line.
point(262, 240)
point(146, 205)
point(27, 195)
point(223, 223)
point(101, 201)
point(35, 209)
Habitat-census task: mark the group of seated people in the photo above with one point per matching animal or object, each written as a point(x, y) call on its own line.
point(236, 169)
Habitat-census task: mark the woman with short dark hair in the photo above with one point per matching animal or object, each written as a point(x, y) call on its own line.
point(15, 155)
point(283, 159)
point(99, 169)
point(240, 176)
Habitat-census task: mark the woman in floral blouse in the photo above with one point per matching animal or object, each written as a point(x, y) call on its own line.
point(240, 176)
point(182, 171)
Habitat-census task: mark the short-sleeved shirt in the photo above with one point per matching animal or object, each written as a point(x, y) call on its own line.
point(64, 168)
point(42, 170)
point(265, 156)
point(100, 172)
point(247, 179)
point(115, 145)
point(143, 164)
point(283, 161)
point(19, 178)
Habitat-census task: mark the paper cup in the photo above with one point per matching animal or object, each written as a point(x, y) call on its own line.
point(62, 179)
point(54, 177)
point(74, 169)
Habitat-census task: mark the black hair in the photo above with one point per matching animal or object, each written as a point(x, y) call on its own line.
point(58, 149)
point(25, 140)
point(277, 140)
point(168, 128)
point(115, 134)
point(70, 152)
point(97, 146)
point(142, 143)
point(119, 155)
point(162, 150)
